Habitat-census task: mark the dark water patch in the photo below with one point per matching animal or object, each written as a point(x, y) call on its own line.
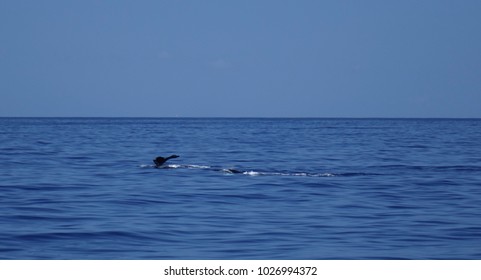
point(94, 235)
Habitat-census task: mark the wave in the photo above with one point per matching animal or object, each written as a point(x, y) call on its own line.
point(231, 171)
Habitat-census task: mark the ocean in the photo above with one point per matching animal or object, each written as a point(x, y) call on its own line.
point(86, 188)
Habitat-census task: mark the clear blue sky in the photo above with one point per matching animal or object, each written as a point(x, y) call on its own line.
point(240, 58)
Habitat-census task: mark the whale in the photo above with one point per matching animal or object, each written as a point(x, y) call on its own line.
point(159, 161)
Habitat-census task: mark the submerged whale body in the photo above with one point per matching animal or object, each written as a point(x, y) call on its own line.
point(161, 160)
point(159, 163)
point(230, 170)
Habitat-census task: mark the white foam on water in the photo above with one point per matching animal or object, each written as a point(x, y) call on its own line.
point(198, 166)
point(303, 174)
point(252, 173)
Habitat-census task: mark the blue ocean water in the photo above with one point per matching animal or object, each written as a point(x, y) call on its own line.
point(77, 188)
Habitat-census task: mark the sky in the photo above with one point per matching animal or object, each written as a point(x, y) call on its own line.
point(250, 58)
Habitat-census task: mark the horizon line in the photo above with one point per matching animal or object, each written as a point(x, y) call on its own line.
point(217, 117)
